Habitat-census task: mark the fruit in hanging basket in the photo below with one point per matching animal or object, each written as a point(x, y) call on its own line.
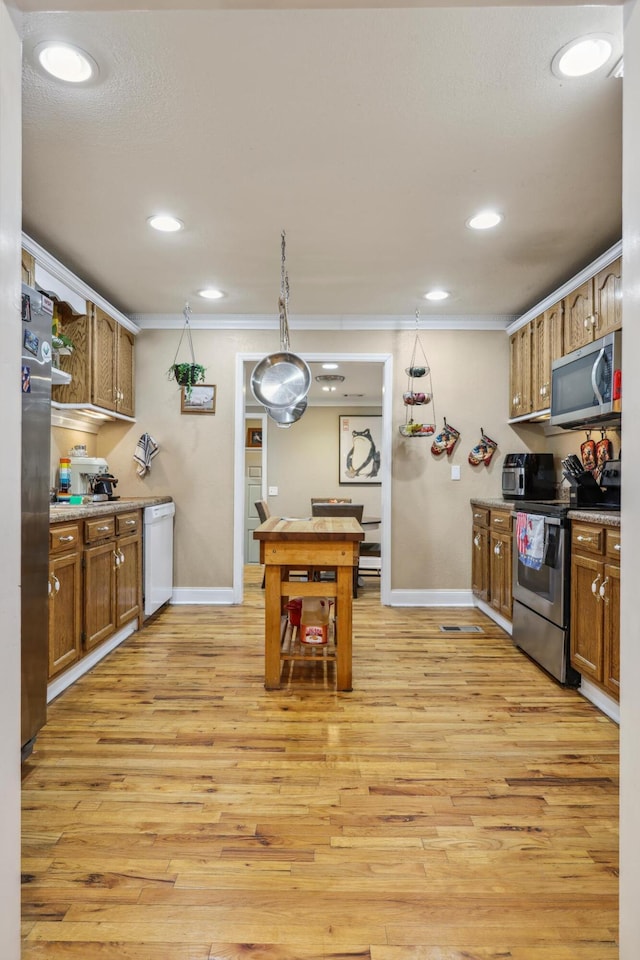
point(412, 429)
point(413, 399)
point(416, 371)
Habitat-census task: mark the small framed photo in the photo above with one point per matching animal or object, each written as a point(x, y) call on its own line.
point(202, 399)
point(254, 437)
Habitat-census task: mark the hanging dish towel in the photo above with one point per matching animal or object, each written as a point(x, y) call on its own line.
point(530, 539)
point(146, 449)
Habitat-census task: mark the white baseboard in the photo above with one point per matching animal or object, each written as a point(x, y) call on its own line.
point(506, 625)
point(600, 699)
point(205, 595)
point(55, 688)
point(431, 598)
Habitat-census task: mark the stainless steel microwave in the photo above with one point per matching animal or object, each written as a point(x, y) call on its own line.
point(586, 386)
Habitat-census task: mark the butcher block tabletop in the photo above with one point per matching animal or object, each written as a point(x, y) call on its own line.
point(321, 528)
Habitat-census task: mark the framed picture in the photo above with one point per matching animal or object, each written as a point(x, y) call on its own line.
point(202, 399)
point(254, 437)
point(359, 445)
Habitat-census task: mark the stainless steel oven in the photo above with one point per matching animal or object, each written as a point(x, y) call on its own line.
point(541, 596)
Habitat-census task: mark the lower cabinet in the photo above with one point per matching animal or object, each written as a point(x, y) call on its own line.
point(500, 553)
point(491, 558)
point(65, 592)
point(480, 570)
point(100, 584)
point(595, 604)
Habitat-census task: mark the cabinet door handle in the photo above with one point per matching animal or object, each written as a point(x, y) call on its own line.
point(122, 556)
point(498, 520)
point(476, 541)
point(103, 529)
point(582, 539)
point(498, 549)
point(601, 591)
point(594, 587)
point(116, 558)
point(68, 539)
point(616, 547)
point(49, 586)
point(56, 583)
point(594, 320)
point(130, 523)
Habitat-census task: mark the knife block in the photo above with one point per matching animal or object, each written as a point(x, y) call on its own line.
point(584, 490)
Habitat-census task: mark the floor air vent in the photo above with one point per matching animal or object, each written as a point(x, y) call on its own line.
point(461, 629)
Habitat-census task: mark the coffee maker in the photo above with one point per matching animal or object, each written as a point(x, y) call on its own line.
point(90, 477)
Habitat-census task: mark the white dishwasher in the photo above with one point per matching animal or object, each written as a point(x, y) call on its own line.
point(158, 555)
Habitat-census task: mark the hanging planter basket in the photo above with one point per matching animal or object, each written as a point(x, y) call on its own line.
point(187, 373)
point(418, 395)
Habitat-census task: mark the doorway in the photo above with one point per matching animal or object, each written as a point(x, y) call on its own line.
point(242, 359)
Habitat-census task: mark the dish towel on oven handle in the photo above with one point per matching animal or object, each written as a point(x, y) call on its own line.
point(530, 539)
point(145, 451)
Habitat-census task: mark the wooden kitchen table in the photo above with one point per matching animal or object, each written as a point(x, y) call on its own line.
point(328, 543)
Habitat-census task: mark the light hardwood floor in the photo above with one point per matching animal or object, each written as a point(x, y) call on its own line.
point(457, 805)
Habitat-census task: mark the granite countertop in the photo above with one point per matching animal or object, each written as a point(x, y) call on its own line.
point(493, 503)
point(66, 511)
point(611, 518)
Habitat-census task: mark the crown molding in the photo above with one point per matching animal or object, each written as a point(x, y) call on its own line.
point(167, 321)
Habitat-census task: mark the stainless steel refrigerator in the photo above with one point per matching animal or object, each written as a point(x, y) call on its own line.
point(37, 312)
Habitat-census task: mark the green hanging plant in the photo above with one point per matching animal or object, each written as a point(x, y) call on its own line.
point(188, 373)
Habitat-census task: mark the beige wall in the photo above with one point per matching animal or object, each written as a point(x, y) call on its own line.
point(470, 371)
point(10, 323)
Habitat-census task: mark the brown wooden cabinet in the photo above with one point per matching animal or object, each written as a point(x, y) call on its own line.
point(595, 604)
point(594, 308)
point(112, 576)
point(101, 365)
point(500, 557)
point(480, 569)
point(546, 346)
point(95, 583)
point(65, 594)
point(608, 299)
point(520, 371)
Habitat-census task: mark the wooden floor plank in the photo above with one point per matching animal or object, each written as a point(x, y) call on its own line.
point(457, 805)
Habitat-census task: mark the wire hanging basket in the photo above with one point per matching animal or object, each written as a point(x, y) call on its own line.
point(418, 394)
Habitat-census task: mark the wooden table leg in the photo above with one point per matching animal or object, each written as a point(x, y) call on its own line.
point(343, 628)
point(272, 624)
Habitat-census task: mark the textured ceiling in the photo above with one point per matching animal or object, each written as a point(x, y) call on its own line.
point(370, 135)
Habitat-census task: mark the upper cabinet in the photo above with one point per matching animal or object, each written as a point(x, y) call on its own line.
point(594, 308)
point(520, 359)
point(97, 376)
point(591, 310)
point(101, 364)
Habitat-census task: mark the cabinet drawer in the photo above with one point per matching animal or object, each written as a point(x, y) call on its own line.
point(480, 516)
point(501, 520)
point(64, 537)
point(127, 523)
point(99, 529)
point(587, 538)
point(612, 541)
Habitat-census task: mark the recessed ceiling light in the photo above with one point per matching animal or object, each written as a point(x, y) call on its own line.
point(65, 62)
point(329, 389)
point(210, 293)
point(329, 366)
point(582, 56)
point(165, 223)
point(484, 220)
point(436, 295)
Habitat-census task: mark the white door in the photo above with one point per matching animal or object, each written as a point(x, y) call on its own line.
point(252, 492)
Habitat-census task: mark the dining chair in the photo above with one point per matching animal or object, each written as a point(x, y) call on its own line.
point(330, 508)
point(330, 500)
